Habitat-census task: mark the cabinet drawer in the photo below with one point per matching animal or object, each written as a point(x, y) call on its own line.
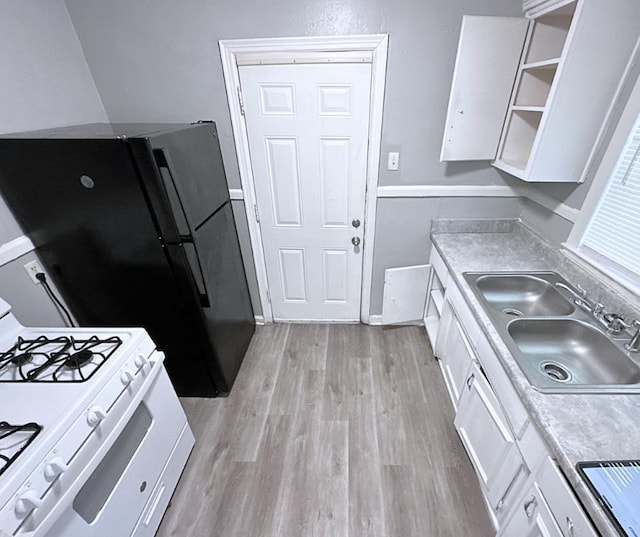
point(565, 507)
point(439, 267)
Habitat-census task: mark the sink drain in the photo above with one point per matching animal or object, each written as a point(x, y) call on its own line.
point(556, 372)
point(513, 311)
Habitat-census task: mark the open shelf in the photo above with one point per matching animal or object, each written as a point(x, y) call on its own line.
point(519, 108)
point(437, 297)
point(550, 34)
point(431, 325)
point(434, 305)
point(551, 63)
point(522, 127)
point(534, 86)
point(515, 168)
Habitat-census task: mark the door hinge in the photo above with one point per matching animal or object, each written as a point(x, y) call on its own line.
point(241, 100)
point(255, 210)
point(268, 296)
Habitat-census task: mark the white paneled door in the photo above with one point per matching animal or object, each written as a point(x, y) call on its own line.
point(307, 126)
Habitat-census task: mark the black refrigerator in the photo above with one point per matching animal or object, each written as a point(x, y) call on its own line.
point(133, 223)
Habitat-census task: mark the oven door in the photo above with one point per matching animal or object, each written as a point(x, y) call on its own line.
point(112, 499)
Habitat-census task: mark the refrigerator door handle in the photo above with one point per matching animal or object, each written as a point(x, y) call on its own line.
point(162, 161)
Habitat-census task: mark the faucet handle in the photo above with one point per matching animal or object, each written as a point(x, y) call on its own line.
point(582, 290)
point(615, 323)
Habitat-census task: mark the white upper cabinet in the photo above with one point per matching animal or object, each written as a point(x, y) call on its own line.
point(561, 87)
point(480, 90)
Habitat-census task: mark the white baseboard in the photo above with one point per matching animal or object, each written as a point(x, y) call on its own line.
point(12, 250)
point(259, 319)
point(375, 319)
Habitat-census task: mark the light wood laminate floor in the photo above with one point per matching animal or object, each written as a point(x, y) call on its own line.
point(330, 430)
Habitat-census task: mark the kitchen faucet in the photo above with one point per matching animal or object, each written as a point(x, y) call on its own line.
point(614, 323)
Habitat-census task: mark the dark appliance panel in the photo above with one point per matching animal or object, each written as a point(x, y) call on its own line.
point(100, 214)
point(191, 165)
point(228, 315)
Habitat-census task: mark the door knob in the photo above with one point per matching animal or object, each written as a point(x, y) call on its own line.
point(355, 241)
point(355, 223)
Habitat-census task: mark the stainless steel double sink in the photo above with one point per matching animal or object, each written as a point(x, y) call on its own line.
point(559, 347)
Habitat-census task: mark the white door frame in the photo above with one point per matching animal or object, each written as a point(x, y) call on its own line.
point(376, 44)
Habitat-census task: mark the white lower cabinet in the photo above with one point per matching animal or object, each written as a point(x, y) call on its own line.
point(454, 352)
point(490, 444)
point(531, 516)
point(525, 492)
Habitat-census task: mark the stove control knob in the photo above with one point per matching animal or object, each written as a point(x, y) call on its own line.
point(95, 415)
point(140, 360)
point(126, 377)
point(54, 468)
point(27, 501)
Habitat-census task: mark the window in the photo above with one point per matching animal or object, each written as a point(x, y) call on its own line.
point(612, 236)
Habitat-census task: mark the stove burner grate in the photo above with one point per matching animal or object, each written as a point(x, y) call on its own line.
point(14, 439)
point(60, 359)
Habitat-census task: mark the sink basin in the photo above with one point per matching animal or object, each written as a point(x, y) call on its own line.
point(570, 351)
point(522, 295)
point(559, 347)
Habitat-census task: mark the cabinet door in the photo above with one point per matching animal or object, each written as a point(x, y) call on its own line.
point(489, 442)
point(486, 65)
point(530, 517)
point(454, 351)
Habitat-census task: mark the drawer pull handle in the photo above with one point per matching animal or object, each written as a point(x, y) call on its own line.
point(570, 527)
point(530, 506)
point(470, 380)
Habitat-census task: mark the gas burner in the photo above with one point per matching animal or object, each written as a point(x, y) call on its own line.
point(78, 359)
point(20, 359)
point(60, 359)
point(14, 439)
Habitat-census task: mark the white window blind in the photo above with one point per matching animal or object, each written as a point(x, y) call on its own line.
point(613, 234)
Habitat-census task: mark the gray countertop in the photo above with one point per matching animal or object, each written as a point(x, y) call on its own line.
point(576, 427)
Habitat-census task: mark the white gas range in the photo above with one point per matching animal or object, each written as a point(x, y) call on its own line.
point(92, 436)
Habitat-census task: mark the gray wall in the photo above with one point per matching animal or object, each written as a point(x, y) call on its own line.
point(45, 82)
point(546, 223)
point(159, 61)
point(403, 226)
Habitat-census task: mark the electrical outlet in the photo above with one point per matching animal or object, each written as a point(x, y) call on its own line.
point(33, 268)
point(392, 160)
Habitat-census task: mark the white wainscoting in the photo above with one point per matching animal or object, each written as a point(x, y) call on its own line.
point(476, 191)
point(12, 250)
